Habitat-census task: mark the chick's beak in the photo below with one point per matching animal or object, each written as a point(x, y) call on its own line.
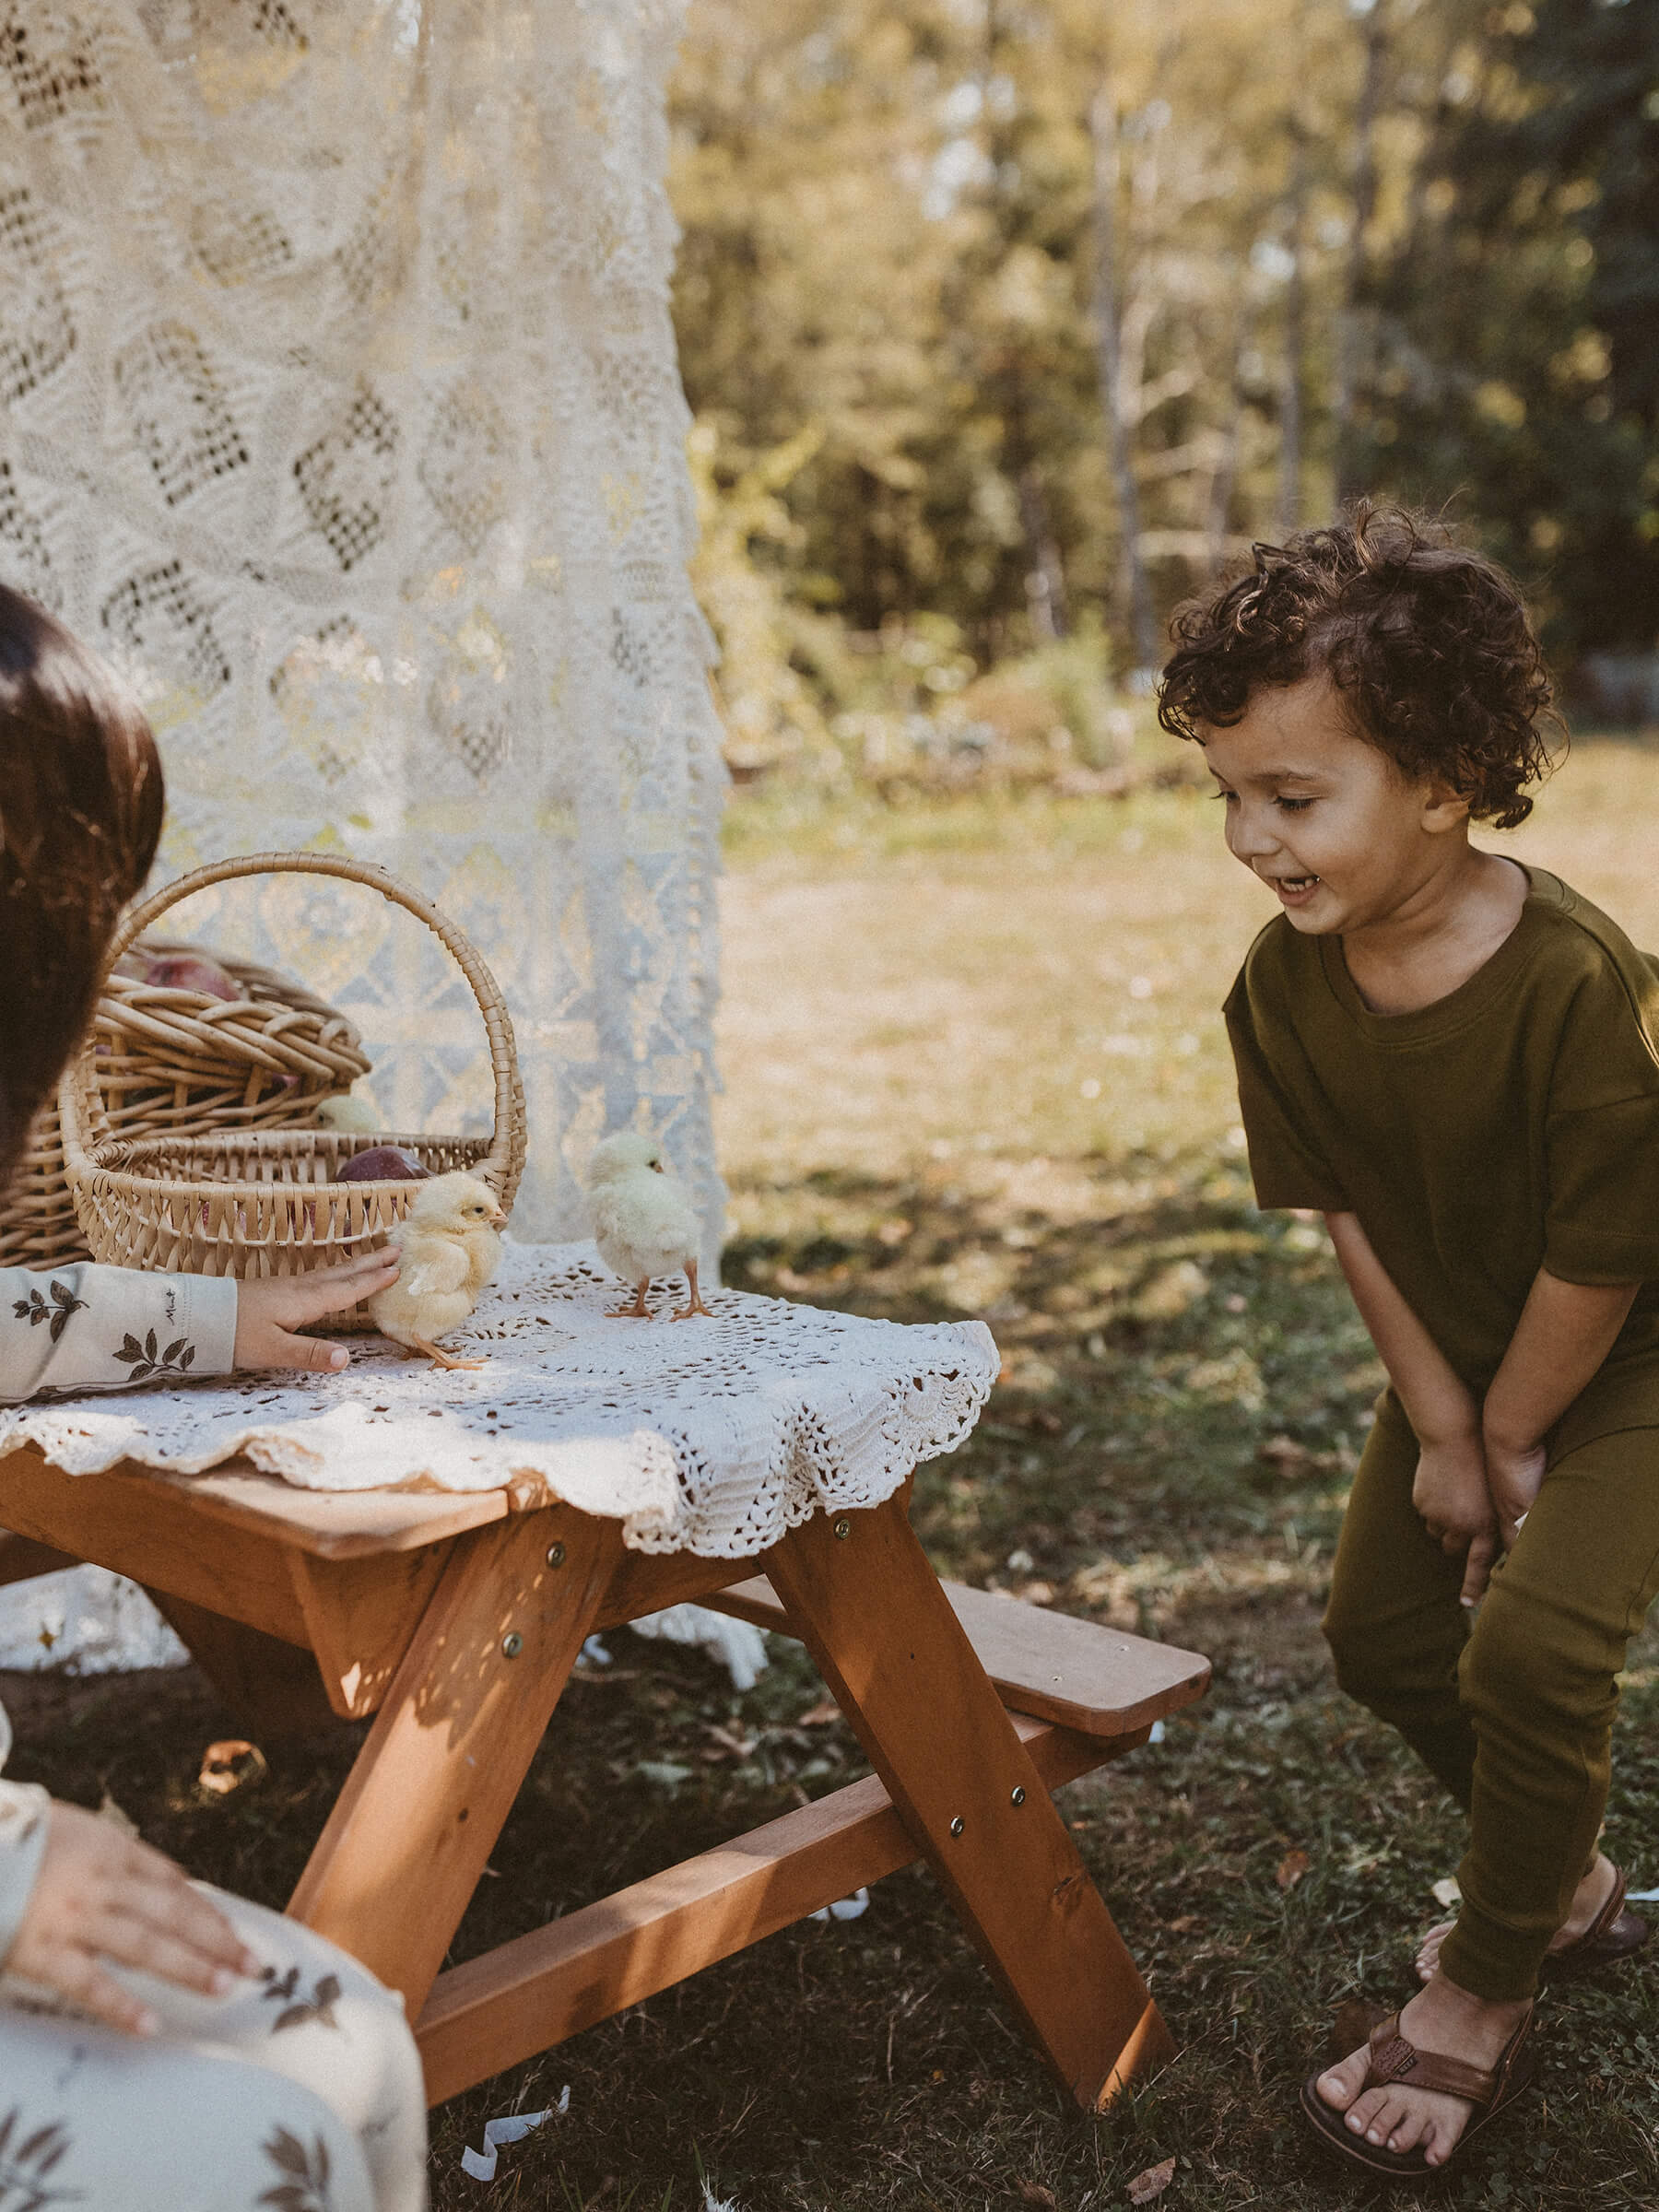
point(498, 1219)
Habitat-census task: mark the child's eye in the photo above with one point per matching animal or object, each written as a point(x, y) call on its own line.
point(1226, 798)
point(1294, 805)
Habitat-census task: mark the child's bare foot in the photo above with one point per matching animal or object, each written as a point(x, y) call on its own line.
point(1442, 2020)
point(1592, 1894)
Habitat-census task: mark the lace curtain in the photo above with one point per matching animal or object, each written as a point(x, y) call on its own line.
point(339, 406)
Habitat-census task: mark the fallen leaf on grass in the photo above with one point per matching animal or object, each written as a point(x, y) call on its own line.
point(820, 1714)
point(1185, 1926)
point(1291, 1868)
point(1033, 2193)
point(228, 1765)
point(1446, 1892)
point(1285, 1454)
point(1152, 2183)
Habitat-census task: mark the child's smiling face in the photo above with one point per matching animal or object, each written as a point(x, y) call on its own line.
point(1324, 820)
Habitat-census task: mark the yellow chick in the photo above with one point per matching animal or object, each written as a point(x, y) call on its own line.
point(347, 1109)
point(449, 1250)
point(644, 1223)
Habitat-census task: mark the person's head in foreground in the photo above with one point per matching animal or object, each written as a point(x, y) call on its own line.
point(1363, 694)
point(81, 804)
point(80, 817)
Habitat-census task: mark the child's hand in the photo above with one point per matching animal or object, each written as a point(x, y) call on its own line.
point(268, 1311)
point(1450, 1493)
point(102, 1896)
point(1514, 1474)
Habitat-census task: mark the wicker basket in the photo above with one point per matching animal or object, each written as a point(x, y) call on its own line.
point(171, 1059)
point(260, 1202)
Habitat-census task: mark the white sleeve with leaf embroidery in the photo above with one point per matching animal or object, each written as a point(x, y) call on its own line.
point(85, 1327)
point(88, 1327)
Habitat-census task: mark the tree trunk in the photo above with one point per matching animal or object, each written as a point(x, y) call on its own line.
point(1352, 325)
point(1137, 590)
point(1045, 578)
point(1291, 388)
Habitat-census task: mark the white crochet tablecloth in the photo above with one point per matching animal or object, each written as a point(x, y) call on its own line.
point(708, 1436)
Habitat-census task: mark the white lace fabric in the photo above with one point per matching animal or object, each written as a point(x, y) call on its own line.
point(340, 408)
point(711, 1436)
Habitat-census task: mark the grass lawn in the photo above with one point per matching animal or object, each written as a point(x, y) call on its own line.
point(975, 1065)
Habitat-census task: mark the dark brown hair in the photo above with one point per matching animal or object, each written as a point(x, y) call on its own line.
point(80, 815)
point(1428, 643)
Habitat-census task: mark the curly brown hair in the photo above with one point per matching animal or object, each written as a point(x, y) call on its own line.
point(1429, 641)
point(80, 815)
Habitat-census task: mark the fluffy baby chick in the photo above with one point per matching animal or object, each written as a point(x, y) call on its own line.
point(449, 1250)
point(643, 1221)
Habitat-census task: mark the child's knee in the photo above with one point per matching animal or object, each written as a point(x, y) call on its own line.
point(1531, 1665)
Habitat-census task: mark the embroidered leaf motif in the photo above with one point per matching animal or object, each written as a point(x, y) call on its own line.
point(25, 2163)
point(307, 2190)
point(317, 2008)
point(35, 1309)
point(299, 2010)
point(148, 1358)
point(64, 1299)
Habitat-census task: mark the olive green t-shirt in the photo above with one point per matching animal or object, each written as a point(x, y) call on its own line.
point(1510, 1126)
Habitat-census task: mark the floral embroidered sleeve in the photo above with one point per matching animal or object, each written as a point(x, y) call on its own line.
point(87, 1327)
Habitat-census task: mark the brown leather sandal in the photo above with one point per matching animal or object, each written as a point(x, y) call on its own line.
point(1615, 1935)
point(1394, 2059)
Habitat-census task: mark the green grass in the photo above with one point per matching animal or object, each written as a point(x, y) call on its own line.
point(916, 999)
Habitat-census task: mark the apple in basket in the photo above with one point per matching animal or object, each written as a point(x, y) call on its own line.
point(379, 1163)
point(382, 1163)
point(181, 972)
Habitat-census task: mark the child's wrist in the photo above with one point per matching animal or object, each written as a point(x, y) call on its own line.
point(1447, 1427)
point(1499, 1432)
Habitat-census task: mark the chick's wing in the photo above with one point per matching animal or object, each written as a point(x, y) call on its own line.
point(433, 1264)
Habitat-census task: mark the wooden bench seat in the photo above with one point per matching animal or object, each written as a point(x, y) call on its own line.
point(1099, 1681)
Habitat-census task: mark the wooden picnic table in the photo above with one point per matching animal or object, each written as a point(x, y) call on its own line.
point(456, 1620)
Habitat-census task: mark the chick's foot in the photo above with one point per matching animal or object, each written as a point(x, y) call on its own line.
point(639, 1310)
point(694, 1304)
point(440, 1358)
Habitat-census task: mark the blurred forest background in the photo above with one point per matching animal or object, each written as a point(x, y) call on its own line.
point(1006, 322)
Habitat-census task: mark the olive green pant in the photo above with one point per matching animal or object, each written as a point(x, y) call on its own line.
point(1512, 1706)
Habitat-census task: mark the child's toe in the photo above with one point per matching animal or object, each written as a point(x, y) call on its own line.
point(1340, 2086)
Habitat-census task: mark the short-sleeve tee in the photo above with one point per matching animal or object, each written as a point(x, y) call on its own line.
point(1510, 1125)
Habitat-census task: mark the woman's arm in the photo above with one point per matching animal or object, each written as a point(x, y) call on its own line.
point(1565, 1331)
point(90, 1327)
point(1450, 1489)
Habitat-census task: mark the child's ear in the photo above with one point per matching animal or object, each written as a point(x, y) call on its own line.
point(1443, 808)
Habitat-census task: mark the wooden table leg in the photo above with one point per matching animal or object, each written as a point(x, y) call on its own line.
point(273, 1688)
point(870, 1609)
point(414, 1827)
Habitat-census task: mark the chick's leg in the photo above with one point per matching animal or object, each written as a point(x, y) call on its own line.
point(694, 1304)
point(639, 1310)
point(440, 1358)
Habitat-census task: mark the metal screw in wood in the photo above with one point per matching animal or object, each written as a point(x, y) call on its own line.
point(958, 1825)
point(555, 1555)
point(1018, 1797)
point(843, 1528)
point(512, 1643)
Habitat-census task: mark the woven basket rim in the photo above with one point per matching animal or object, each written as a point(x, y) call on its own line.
point(98, 1165)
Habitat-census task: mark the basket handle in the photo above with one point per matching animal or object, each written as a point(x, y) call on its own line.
point(498, 1163)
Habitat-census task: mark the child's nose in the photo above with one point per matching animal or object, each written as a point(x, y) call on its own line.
point(1250, 833)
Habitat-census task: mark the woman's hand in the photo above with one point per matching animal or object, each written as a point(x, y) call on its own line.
point(268, 1311)
point(102, 1895)
point(1450, 1491)
point(1514, 1476)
